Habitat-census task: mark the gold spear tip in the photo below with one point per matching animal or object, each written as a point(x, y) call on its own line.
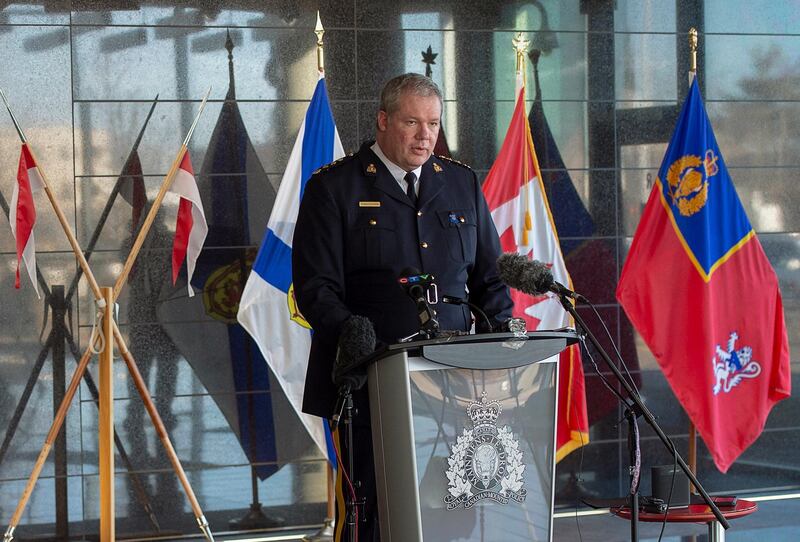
point(318, 30)
point(693, 38)
point(520, 45)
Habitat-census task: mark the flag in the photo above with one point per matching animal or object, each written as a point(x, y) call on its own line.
point(238, 196)
point(190, 227)
point(132, 188)
point(268, 310)
point(22, 213)
point(591, 261)
point(516, 198)
point(699, 289)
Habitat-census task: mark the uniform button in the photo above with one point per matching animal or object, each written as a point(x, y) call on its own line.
point(419, 213)
point(423, 244)
point(461, 219)
point(373, 222)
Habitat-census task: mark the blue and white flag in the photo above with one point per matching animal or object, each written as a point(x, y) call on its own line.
point(268, 310)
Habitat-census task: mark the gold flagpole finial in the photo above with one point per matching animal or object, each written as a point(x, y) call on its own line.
point(693, 52)
point(521, 47)
point(319, 31)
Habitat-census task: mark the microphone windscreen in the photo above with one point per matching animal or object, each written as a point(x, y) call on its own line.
point(356, 341)
point(529, 276)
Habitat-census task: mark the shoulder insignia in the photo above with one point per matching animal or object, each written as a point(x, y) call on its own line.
point(453, 161)
point(437, 168)
point(371, 169)
point(335, 163)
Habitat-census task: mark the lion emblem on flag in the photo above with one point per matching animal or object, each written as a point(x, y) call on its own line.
point(733, 365)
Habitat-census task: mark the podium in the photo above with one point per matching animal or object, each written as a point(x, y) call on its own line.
point(463, 432)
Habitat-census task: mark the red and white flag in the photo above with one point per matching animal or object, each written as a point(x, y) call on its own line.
point(22, 213)
point(517, 200)
point(191, 227)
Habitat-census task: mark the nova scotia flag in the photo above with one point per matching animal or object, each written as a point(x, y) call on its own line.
point(267, 309)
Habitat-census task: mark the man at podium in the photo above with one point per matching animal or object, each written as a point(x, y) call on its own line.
point(363, 220)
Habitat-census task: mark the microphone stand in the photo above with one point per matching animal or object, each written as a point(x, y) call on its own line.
point(638, 408)
point(352, 502)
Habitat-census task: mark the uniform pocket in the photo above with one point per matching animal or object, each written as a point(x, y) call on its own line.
point(372, 238)
point(461, 232)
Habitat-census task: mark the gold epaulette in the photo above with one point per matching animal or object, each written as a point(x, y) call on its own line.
point(462, 164)
point(335, 163)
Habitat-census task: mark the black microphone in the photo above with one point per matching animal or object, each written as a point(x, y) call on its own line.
point(356, 341)
point(415, 285)
point(530, 276)
point(453, 300)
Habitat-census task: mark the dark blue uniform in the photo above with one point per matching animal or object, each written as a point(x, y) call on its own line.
point(356, 232)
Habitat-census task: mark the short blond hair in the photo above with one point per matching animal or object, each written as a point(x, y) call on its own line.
point(408, 83)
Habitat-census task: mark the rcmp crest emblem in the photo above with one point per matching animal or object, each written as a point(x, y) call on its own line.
point(733, 365)
point(485, 462)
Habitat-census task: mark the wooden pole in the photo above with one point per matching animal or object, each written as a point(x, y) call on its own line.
point(151, 215)
point(73, 241)
point(58, 421)
point(148, 222)
point(331, 496)
point(692, 453)
point(106, 422)
point(161, 430)
point(84, 362)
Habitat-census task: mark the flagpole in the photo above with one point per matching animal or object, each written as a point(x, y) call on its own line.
point(692, 451)
point(62, 411)
point(58, 419)
point(693, 53)
point(326, 531)
point(320, 31)
point(112, 198)
point(520, 47)
point(151, 215)
point(73, 241)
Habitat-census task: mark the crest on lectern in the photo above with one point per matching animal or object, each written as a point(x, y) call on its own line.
point(485, 462)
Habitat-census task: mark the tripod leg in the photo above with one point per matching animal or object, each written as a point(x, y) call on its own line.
point(138, 488)
point(55, 427)
point(141, 387)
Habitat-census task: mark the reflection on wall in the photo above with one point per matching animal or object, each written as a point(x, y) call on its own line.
point(82, 77)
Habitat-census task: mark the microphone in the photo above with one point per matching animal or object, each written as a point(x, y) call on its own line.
point(453, 300)
point(356, 341)
point(530, 276)
point(415, 285)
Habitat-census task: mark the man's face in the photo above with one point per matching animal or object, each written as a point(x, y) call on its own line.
point(407, 136)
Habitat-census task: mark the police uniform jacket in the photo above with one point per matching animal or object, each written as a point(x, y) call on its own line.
point(357, 231)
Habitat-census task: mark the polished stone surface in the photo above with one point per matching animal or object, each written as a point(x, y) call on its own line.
point(80, 77)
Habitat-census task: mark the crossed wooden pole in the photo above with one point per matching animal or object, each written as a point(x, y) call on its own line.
point(105, 299)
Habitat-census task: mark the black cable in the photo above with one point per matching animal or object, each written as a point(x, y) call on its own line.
point(614, 346)
point(580, 467)
point(671, 487)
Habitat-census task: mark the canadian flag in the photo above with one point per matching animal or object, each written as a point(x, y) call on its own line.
point(22, 213)
point(517, 200)
point(191, 227)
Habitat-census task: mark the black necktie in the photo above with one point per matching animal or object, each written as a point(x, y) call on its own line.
point(410, 179)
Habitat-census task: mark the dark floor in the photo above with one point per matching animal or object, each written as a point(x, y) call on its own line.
point(775, 521)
